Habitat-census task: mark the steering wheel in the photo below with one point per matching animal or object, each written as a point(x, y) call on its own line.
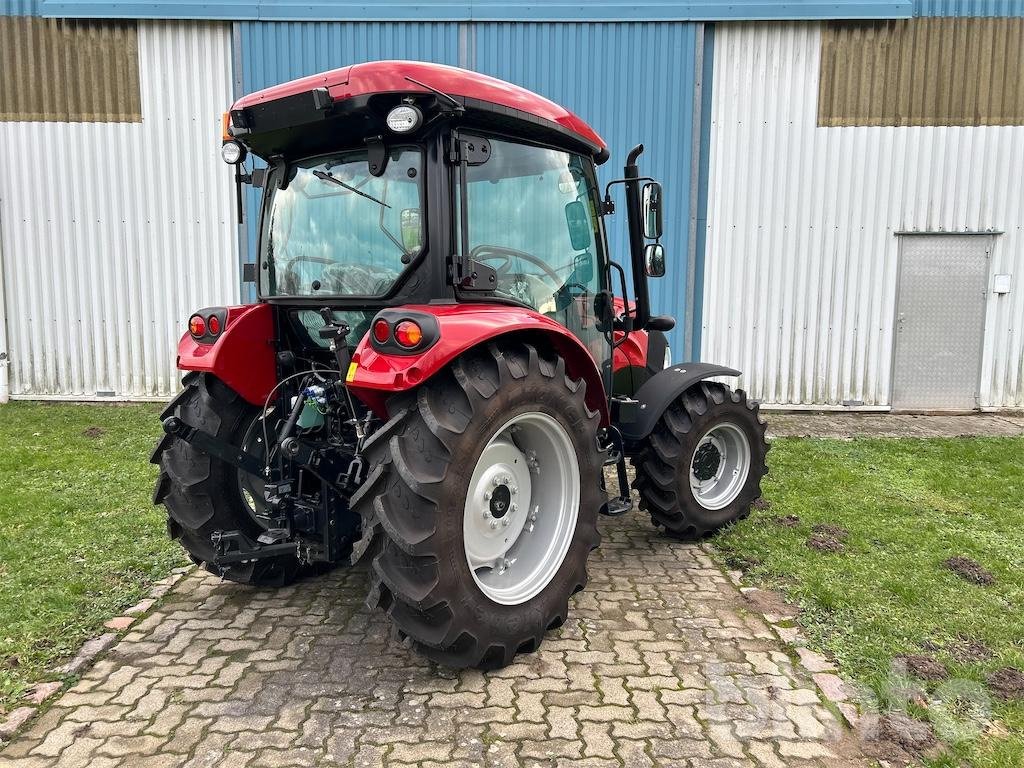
point(291, 275)
point(487, 252)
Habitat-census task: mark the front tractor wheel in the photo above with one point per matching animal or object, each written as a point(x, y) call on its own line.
point(482, 498)
point(701, 467)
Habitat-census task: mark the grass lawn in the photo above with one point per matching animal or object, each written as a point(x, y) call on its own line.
point(79, 537)
point(908, 506)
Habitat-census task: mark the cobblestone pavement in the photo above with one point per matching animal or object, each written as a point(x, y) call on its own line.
point(660, 663)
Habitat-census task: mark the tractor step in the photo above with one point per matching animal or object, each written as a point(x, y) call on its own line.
point(616, 506)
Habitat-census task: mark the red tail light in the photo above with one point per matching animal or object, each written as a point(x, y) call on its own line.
point(197, 326)
point(213, 325)
point(408, 334)
point(381, 331)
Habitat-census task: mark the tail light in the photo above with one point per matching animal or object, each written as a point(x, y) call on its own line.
point(408, 333)
point(381, 331)
point(207, 325)
point(197, 326)
point(404, 331)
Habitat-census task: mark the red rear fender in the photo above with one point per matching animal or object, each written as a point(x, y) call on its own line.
point(461, 327)
point(242, 356)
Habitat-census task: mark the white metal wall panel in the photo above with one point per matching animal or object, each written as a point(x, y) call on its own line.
point(801, 258)
point(111, 233)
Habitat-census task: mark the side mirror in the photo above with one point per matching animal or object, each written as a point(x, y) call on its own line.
point(580, 231)
point(654, 260)
point(652, 210)
point(583, 268)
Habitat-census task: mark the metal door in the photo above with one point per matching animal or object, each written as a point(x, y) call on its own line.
point(940, 321)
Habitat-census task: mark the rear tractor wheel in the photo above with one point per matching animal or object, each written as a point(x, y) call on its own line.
point(482, 497)
point(203, 494)
point(701, 467)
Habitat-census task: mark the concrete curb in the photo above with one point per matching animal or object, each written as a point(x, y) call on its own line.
point(87, 655)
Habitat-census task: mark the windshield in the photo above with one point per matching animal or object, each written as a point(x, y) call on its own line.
point(332, 229)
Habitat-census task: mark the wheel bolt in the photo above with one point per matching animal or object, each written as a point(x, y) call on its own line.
point(514, 508)
point(514, 489)
point(494, 524)
point(496, 481)
point(504, 522)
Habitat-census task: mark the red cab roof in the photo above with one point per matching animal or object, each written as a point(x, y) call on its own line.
point(390, 76)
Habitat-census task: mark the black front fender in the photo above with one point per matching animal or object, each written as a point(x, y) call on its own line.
point(659, 391)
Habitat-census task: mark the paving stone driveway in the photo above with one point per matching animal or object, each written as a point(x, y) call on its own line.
point(659, 664)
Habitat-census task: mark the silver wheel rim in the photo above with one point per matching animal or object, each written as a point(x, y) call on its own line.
point(521, 508)
point(720, 466)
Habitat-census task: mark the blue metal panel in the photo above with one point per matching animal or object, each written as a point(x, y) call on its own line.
point(703, 174)
point(480, 10)
point(273, 53)
point(19, 7)
point(633, 83)
point(969, 7)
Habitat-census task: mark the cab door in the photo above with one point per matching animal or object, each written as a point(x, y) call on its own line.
point(530, 213)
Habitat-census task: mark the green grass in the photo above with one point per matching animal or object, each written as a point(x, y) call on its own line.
point(79, 537)
point(908, 505)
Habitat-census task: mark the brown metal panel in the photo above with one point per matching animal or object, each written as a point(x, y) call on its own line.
point(925, 71)
point(57, 70)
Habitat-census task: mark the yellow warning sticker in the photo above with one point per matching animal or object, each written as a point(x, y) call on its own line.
point(351, 375)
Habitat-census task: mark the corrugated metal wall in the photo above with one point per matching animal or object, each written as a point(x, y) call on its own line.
point(113, 232)
point(628, 99)
point(801, 258)
point(969, 7)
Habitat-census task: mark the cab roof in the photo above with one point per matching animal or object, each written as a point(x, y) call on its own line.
point(356, 83)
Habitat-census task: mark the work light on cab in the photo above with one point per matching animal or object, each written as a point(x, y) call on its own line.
point(232, 152)
point(404, 118)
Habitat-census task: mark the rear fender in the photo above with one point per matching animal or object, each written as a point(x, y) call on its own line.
point(662, 389)
point(377, 375)
point(242, 356)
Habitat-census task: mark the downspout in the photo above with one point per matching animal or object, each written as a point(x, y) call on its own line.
point(5, 389)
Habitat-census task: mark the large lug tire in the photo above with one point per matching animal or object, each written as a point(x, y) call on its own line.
point(202, 494)
point(701, 467)
point(430, 468)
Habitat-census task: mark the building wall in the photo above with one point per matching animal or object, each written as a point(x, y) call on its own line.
point(801, 257)
point(112, 233)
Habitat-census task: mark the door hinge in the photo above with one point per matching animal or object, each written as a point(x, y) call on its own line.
point(471, 275)
point(471, 150)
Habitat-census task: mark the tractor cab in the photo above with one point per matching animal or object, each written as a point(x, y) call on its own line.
point(443, 358)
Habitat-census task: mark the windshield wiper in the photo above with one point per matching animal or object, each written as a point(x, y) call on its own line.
point(327, 177)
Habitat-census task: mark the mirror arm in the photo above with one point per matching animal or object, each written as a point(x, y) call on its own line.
point(632, 179)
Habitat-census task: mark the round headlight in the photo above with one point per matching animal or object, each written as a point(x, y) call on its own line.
point(232, 152)
point(404, 118)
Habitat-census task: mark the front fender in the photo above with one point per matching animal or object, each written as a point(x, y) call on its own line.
point(659, 391)
point(377, 375)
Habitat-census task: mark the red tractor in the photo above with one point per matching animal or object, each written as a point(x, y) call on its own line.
point(438, 370)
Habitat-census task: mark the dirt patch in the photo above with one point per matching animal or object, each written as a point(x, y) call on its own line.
point(968, 650)
point(822, 542)
point(900, 736)
point(1007, 683)
point(768, 601)
point(11, 662)
point(924, 667)
point(833, 531)
point(761, 503)
point(969, 570)
point(787, 521)
point(94, 432)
